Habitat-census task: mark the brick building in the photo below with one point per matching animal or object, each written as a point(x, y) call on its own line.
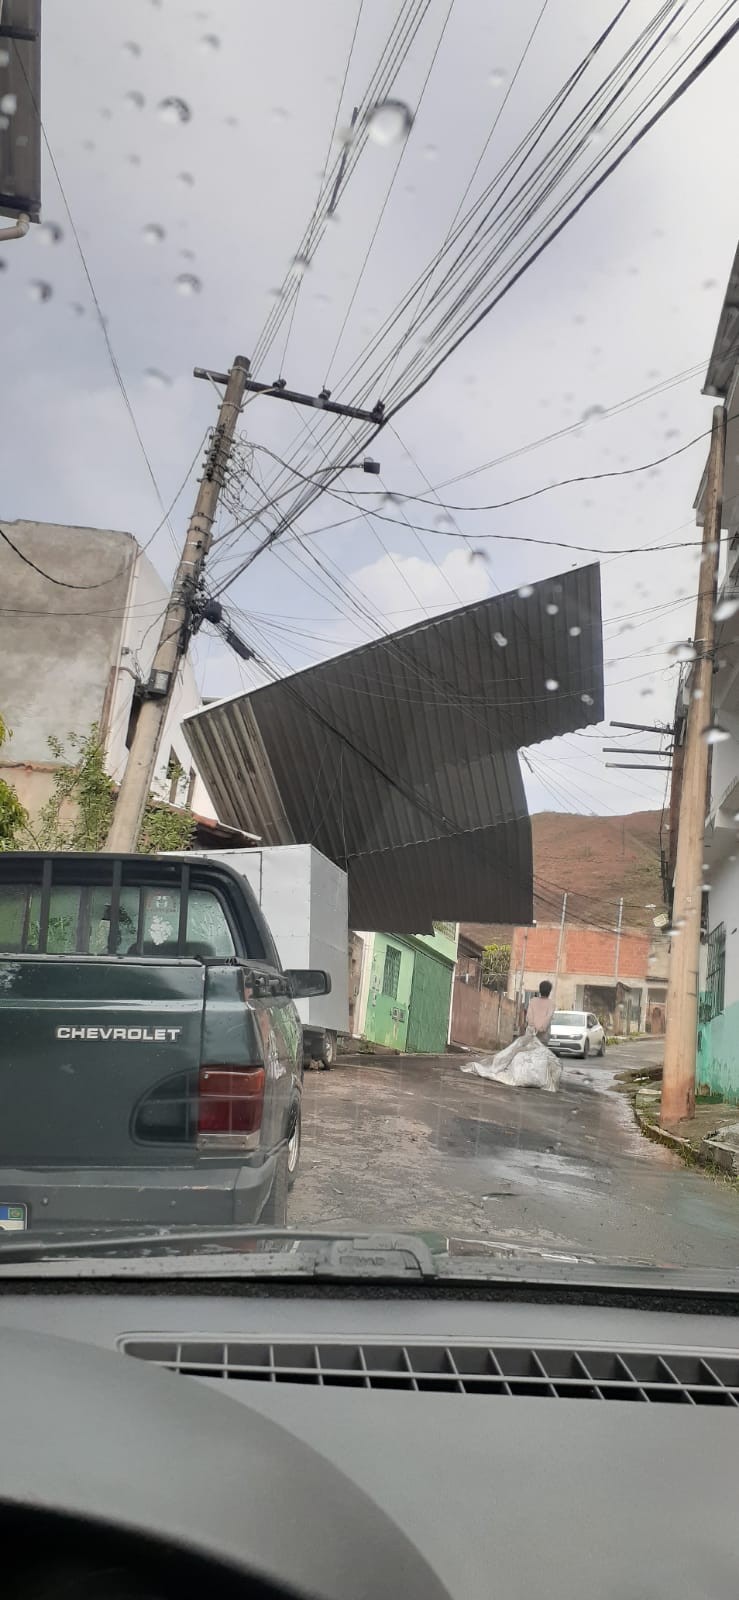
point(622, 978)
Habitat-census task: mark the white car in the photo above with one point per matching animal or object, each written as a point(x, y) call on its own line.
point(577, 1033)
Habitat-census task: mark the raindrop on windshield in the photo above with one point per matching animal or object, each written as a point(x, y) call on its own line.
point(684, 651)
point(442, 521)
point(591, 413)
point(299, 266)
point(9, 104)
point(39, 290)
point(725, 609)
point(210, 41)
point(153, 233)
point(157, 379)
point(186, 178)
point(575, 632)
point(173, 109)
point(78, 309)
point(500, 639)
point(49, 233)
point(498, 77)
point(551, 609)
point(132, 48)
point(187, 284)
point(477, 555)
point(389, 122)
point(4, 57)
point(587, 699)
point(551, 684)
point(525, 591)
point(430, 152)
point(135, 99)
point(715, 734)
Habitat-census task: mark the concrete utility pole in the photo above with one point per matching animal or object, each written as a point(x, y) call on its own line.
point(176, 628)
point(678, 1078)
point(561, 934)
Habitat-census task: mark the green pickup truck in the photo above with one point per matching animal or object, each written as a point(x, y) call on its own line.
point(151, 1056)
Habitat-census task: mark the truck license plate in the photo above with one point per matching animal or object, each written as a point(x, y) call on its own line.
point(12, 1218)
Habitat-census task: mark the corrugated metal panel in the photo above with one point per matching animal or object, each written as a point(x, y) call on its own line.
point(725, 352)
point(20, 130)
point(431, 993)
point(400, 759)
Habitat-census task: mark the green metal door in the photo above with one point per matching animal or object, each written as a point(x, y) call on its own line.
point(428, 1021)
point(390, 987)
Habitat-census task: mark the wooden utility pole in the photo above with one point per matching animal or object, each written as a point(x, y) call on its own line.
point(678, 1079)
point(177, 626)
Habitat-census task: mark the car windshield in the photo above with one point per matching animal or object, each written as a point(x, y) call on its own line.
point(369, 602)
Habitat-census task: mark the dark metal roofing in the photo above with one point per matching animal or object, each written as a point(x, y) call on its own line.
point(399, 759)
point(725, 352)
point(20, 135)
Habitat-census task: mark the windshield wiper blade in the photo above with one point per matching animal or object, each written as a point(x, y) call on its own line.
point(332, 1254)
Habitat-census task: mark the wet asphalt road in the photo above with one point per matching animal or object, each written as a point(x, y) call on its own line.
point(416, 1143)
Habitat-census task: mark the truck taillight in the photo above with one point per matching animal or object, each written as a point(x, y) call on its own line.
point(230, 1100)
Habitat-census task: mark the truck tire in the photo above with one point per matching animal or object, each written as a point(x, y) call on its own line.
point(293, 1151)
point(328, 1048)
point(274, 1212)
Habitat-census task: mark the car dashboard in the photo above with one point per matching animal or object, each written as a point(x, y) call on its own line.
point(342, 1444)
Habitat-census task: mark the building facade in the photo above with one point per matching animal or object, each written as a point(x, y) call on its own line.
point(73, 653)
point(622, 977)
point(717, 1056)
point(405, 992)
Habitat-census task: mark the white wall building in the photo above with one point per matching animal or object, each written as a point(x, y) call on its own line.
point(73, 650)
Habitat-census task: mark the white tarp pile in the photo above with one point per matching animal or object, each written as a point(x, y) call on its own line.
point(525, 1064)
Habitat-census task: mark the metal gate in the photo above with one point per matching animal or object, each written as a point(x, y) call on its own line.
point(428, 1018)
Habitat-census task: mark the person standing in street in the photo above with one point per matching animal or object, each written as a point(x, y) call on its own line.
point(540, 1012)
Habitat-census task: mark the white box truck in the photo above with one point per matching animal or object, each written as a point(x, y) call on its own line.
point(305, 899)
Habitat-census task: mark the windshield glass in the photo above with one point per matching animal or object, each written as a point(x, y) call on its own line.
point(369, 602)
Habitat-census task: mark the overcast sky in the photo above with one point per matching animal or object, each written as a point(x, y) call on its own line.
point(625, 299)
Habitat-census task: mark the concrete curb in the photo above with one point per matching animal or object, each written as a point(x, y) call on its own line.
point(709, 1153)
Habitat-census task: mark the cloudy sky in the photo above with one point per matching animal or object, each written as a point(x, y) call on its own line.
point(188, 224)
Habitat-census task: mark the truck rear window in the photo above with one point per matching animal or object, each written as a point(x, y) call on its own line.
point(90, 919)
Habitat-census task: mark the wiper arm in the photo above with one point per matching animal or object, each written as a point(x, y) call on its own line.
point(334, 1254)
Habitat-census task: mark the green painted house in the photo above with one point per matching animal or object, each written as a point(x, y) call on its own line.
point(408, 992)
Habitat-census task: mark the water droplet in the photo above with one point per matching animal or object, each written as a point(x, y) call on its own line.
point(79, 310)
point(587, 699)
point(173, 109)
point(134, 160)
point(210, 41)
point(575, 632)
point(592, 413)
point(281, 114)
point(39, 289)
point(153, 233)
point(187, 284)
point(187, 255)
point(525, 591)
point(684, 651)
point(389, 499)
point(105, 113)
point(4, 57)
point(231, 122)
point(49, 233)
point(8, 104)
point(726, 608)
point(477, 555)
point(551, 684)
point(715, 734)
point(497, 78)
point(442, 521)
point(157, 379)
point(389, 122)
point(132, 48)
point(186, 178)
point(551, 609)
point(135, 99)
point(697, 694)
point(709, 283)
point(3, 264)
point(430, 152)
point(299, 266)
point(500, 639)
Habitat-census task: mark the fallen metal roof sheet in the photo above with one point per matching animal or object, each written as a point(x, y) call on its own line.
point(399, 759)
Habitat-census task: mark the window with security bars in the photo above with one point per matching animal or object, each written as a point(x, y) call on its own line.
point(716, 971)
point(391, 974)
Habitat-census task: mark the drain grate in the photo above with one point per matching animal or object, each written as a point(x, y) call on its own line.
point(684, 1378)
